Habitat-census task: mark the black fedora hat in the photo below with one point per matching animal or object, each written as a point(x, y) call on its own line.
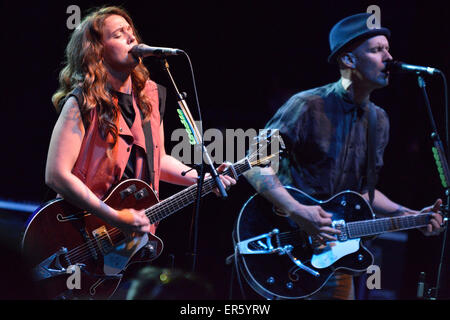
point(349, 30)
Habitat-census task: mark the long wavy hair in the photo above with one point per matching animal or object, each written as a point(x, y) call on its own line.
point(84, 68)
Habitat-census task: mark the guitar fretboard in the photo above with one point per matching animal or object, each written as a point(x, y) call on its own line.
point(365, 228)
point(184, 198)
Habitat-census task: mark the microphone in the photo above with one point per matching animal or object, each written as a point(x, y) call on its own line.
point(143, 50)
point(398, 66)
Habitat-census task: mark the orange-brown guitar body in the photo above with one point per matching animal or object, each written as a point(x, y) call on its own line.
point(59, 235)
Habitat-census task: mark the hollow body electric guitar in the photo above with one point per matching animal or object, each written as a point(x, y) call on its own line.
point(280, 261)
point(59, 237)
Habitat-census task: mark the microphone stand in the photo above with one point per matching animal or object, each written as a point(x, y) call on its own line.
point(444, 174)
point(206, 160)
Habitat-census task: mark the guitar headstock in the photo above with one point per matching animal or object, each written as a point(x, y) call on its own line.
point(266, 148)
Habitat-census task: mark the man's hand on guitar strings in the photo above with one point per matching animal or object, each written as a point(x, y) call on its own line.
point(316, 222)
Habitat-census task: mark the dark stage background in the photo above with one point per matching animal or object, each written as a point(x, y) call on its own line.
point(249, 58)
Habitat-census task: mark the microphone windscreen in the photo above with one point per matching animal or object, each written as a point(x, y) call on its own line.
point(394, 65)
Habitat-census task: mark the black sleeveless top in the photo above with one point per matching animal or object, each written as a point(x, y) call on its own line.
point(125, 102)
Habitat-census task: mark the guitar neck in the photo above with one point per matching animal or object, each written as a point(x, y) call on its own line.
point(187, 196)
point(365, 228)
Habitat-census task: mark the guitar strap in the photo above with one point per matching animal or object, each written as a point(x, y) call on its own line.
point(371, 146)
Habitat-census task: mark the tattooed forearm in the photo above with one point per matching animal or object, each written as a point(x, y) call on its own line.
point(398, 212)
point(385, 207)
point(262, 182)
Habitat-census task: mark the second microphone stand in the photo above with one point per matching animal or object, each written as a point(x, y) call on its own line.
point(444, 174)
point(205, 161)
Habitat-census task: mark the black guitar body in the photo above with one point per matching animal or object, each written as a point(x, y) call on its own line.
point(272, 273)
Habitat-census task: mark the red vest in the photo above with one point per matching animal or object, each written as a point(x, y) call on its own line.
point(98, 170)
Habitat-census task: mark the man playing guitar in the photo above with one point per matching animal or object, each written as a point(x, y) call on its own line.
point(325, 132)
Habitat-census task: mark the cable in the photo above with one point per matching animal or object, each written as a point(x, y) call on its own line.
point(447, 139)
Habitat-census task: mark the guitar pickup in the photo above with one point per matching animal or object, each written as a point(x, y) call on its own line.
point(141, 194)
point(126, 192)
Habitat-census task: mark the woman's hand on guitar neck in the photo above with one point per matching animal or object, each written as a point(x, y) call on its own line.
point(226, 181)
point(315, 221)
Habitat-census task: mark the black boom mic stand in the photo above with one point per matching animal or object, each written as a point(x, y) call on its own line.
point(197, 139)
point(432, 293)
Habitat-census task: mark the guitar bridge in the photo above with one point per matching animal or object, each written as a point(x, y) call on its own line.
point(104, 242)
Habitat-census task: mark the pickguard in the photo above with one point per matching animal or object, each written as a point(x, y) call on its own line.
point(119, 256)
point(333, 251)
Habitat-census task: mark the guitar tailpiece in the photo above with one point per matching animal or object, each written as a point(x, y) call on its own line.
point(266, 248)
